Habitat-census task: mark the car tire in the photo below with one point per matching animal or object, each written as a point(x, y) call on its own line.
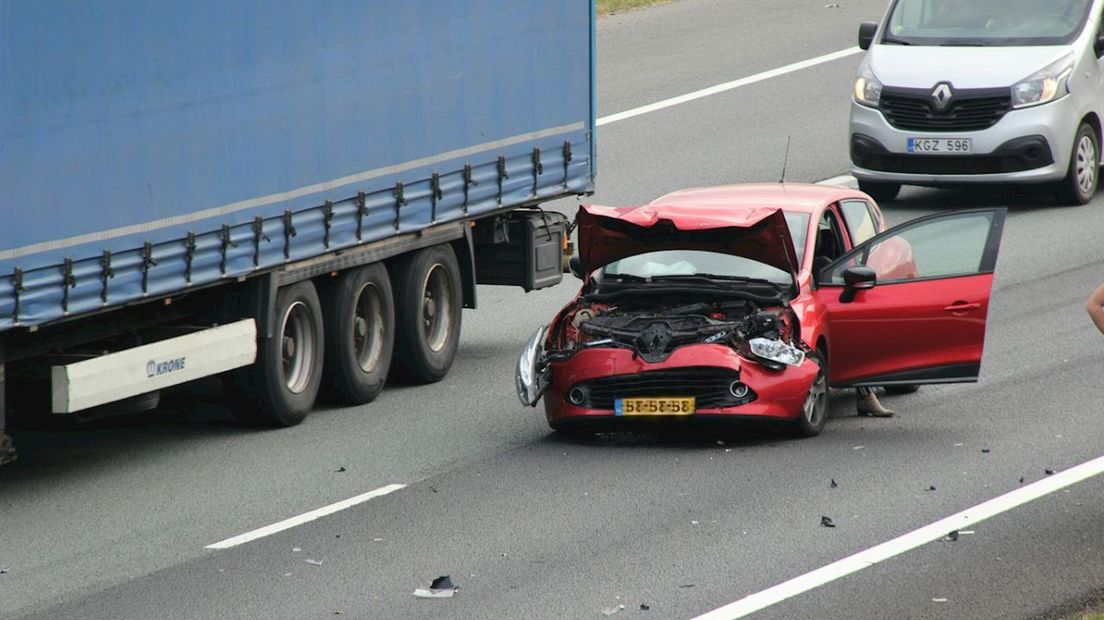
point(428, 303)
point(359, 317)
point(814, 412)
point(1081, 182)
point(880, 192)
point(280, 388)
point(901, 390)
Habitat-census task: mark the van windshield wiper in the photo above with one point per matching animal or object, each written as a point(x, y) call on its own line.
point(892, 40)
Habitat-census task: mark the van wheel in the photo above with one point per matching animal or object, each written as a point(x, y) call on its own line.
point(427, 307)
point(280, 387)
point(880, 192)
point(814, 412)
point(1080, 184)
point(359, 315)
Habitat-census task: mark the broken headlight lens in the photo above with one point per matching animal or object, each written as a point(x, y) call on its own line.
point(531, 378)
point(777, 351)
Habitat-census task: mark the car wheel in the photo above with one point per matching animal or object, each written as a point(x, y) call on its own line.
point(880, 192)
point(360, 334)
point(1080, 184)
point(428, 302)
point(901, 390)
point(814, 412)
point(280, 388)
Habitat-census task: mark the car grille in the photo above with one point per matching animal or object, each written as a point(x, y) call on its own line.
point(708, 386)
point(913, 110)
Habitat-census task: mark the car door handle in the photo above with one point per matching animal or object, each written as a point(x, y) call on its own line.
point(962, 307)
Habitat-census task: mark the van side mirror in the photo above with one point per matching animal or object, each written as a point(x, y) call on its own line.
point(576, 267)
point(1098, 45)
point(867, 30)
point(857, 279)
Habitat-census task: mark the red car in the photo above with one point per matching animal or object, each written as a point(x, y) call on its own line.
point(748, 301)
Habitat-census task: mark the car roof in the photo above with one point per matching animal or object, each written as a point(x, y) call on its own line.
point(792, 197)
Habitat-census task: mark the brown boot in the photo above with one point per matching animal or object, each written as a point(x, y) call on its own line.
point(868, 405)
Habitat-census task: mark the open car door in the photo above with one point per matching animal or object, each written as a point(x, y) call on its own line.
point(909, 306)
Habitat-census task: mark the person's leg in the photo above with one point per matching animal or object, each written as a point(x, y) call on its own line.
point(867, 403)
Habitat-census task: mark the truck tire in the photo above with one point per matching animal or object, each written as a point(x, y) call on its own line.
point(1081, 182)
point(359, 315)
point(280, 387)
point(428, 303)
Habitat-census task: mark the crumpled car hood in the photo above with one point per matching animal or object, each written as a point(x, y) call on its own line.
point(608, 234)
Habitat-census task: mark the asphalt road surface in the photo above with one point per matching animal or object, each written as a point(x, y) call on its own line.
point(112, 520)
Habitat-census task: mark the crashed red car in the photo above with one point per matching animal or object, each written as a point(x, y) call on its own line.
point(749, 301)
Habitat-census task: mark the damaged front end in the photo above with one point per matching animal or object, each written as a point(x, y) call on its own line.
point(532, 376)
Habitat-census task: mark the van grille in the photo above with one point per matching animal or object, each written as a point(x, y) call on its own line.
point(911, 109)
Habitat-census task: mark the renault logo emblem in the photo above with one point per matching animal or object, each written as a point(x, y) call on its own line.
point(941, 97)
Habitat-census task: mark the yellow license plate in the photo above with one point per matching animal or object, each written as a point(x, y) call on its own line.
point(654, 406)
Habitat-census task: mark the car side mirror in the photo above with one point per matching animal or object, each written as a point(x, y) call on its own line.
point(857, 279)
point(867, 30)
point(575, 265)
point(1098, 45)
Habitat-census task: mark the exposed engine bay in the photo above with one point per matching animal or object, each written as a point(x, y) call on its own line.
point(654, 330)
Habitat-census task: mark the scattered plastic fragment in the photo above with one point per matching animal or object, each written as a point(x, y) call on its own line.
point(442, 587)
point(939, 600)
point(834, 5)
point(931, 487)
point(826, 522)
point(609, 611)
point(287, 574)
point(966, 532)
point(695, 522)
point(834, 483)
point(314, 562)
point(1049, 472)
point(959, 445)
point(296, 549)
point(858, 447)
point(952, 537)
point(985, 450)
point(339, 470)
point(1021, 479)
point(687, 585)
point(3, 571)
point(644, 607)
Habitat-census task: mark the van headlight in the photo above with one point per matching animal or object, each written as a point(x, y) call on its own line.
point(776, 351)
point(1049, 84)
point(868, 90)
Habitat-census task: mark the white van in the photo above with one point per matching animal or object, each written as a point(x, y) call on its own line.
point(958, 92)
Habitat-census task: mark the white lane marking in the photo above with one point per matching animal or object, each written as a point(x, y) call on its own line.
point(907, 542)
point(845, 180)
point(306, 517)
point(727, 86)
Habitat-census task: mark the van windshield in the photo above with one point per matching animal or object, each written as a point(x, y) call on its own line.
point(986, 22)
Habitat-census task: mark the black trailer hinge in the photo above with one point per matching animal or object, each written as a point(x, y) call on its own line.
point(400, 200)
point(469, 181)
point(566, 160)
point(147, 262)
point(68, 281)
point(106, 273)
point(258, 236)
point(17, 290)
point(327, 222)
point(289, 232)
point(227, 243)
point(189, 256)
point(362, 212)
point(435, 194)
point(502, 175)
point(538, 168)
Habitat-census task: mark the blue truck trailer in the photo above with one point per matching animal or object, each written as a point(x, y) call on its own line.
point(287, 194)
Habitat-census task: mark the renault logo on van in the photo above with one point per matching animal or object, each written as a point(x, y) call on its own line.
point(941, 97)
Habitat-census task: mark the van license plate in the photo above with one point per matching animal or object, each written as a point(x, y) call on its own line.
point(940, 146)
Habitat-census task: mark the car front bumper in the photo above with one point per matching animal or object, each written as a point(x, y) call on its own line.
point(778, 394)
point(1031, 145)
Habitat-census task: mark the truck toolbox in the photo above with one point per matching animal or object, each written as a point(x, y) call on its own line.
point(524, 248)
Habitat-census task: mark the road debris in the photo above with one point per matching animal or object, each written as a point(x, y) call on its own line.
point(857, 447)
point(939, 600)
point(1021, 479)
point(826, 522)
point(313, 562)
point(339, 470)
point(1049, 472)
point(3, 571)
point(952, 537)
point(644, 607)
point(609, 611)
point(959, 445)
point(834, 484)
point(687, 585)
point(442, 587)
point(296, 549)
point(985, 450)
point(695, 522)
point(931, 487)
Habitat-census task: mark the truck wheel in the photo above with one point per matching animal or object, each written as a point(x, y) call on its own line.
point(1079, 186)
point(279, 389)
point(427, 308)
point(359, 315)
point(880, 192)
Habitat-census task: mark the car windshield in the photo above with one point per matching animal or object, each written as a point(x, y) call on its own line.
point(798, 223)
point(682, 263)
point(986, 22)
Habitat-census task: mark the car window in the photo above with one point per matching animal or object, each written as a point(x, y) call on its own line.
point(948, 246)
point(859, 219)
point(829, 243)
point(798, 223)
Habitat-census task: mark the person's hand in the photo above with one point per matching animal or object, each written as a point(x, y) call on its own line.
point(1095, 307)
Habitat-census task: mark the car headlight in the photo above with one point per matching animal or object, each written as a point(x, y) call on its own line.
point(1046, 85)
point(868, 90)
point(531, 380)
point(777, 351)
